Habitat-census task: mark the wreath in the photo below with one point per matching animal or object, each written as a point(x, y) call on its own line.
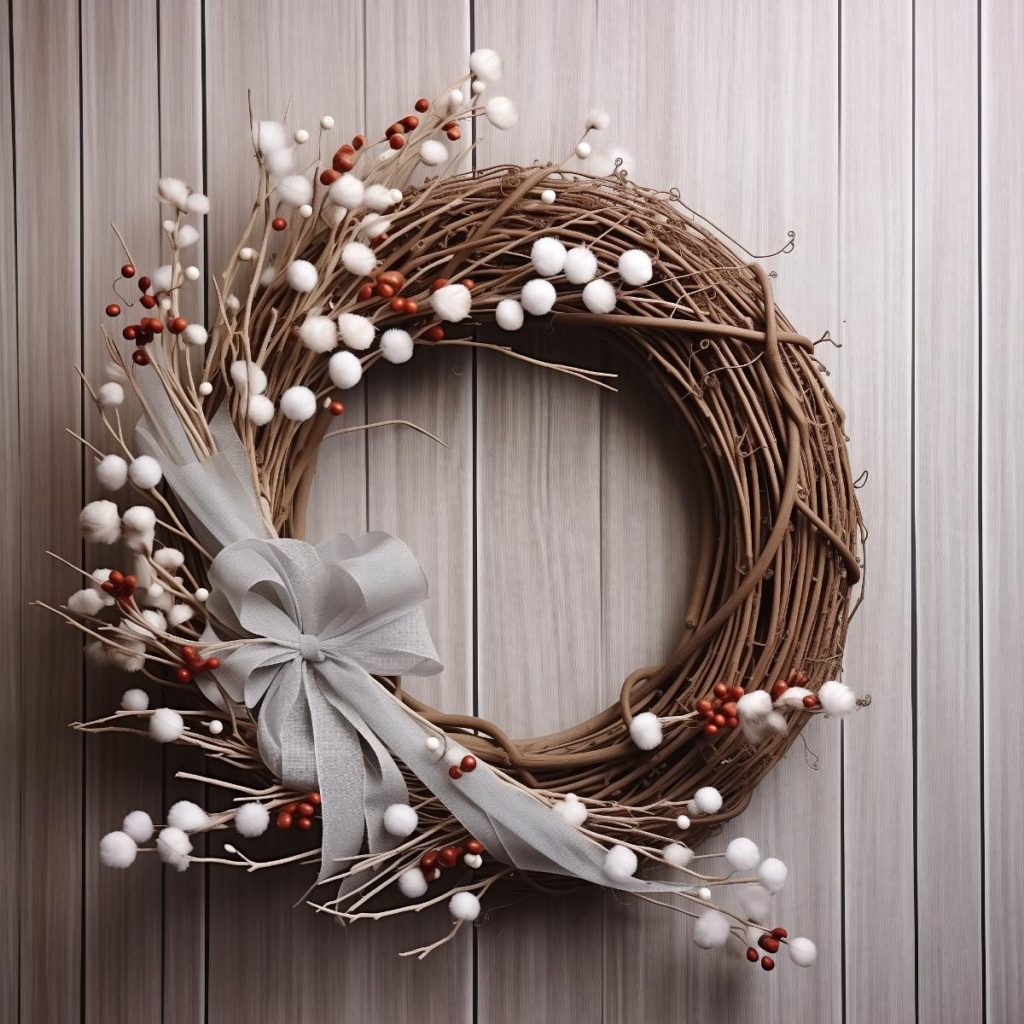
point(282, 661)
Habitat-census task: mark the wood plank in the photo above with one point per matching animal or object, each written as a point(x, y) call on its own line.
point(1002, 492)
point(950, 980)
point(48, 221)
point(875, 377)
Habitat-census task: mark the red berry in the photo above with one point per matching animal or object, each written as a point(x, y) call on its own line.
point(736, 692)
point(732, 721)
point(127, 270)
point(703, 706)
point(148, 302)
point(429, 860)
point(359, 141)
point(455, 772)
point(752, 954)
point(453, 133)
point(780, 933)
point(474, 846)
point(385, 290)
point(439, 283)
point(721, 691)
point(212, 663)
point(306, 810)
point(113, 309)
point(410, 122)
point(412, 306)
point(187, 650)
point(448, 857)
point(436, 333)
point(144, 283)
point(397, 303)
point(768, 943)
point(810, 701)
point(366, 292)
point(279, 223)
point(779, 688)
point(304, 823)
point(139, 358)
point(342, 161)
point(129, 333)
point(177, 325)
point(329, 176)
point(183, 675)
point(284, 820)
point(468, 763)
point(423, 104)
point(468, 283)
point(336, 408)
point(710, 729)
point(396, 141)
point(291, 808)
point(314, 799)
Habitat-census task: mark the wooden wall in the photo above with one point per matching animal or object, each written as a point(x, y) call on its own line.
point(888, 136)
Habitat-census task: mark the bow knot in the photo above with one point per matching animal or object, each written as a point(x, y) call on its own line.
point(309, 648)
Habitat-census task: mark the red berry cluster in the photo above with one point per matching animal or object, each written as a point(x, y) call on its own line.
point(299, 813)
point(119, 586)
point(720, 712)
point(467, 764)
point(433, 861)
point(194, 662)
point(769, 942)
point(799, 678)
point(387, 285)
point(148, 327)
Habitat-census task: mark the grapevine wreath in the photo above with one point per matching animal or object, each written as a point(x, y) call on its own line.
point(283, 660)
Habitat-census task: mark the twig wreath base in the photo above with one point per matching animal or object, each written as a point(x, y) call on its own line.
point(350, 252)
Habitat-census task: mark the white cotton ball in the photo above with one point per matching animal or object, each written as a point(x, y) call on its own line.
point(412, 884)
point(281, 162)
point(251, 819)
point(802, 951)
point(305, 211)
point(198, 203)
point(547, 256)
point(755, 902)
point(452, 302)
point(645, 730)
point(100, 522)
point(583, 150)
point(187, 816)
point(346, 192)
point(166, 725)
point(743, 854)
point(345, 370)
point(396, 345)
point(682, 823)
point(635, 267)
point(128, 656)
point(538, 296)
point(378, 198)
point(118, 850)
point(192, 273)
point(358, 259)
point(298, 403)
point(173, 191)
point(139, 825)
point(137, 526)
point(134, 700)
point(485, 64)
point(174, 846)
point(455, 100)
point(373, 225)
point(599, 296)
point(356, 331)
point(753, 710)
point(318, 333)
point(195, 334)
point(248, 376)
point(145, 472)
point(247, 254)
point(396, 196)
point(179, 614)
point(260, 411)
point(169, 558)
point(620, 863)
point(400, 820)
point(580, 265)
point(302, 275)
point(433, 153)
point(793, 697)
point(270, 136)
point(598, 119)
point(112, 472)
point(708, 800)
point(711, 929)
point(572, 809)
point(464, 906)
point(509, 315)
point(473, 860)
point(677, 855)
point(837, 698)
point(155, 620)
point(501, 112)
point(295, 189)
point(773, 873)
point(110, 395)
point(186, 236)
point(89, 601)
point(162, 278)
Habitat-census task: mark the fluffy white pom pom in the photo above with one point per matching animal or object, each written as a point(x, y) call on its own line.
point(598, 119)
point(345, 370)
point(711, 929)
point(110, 394)
point(464, 906)
point(400, 820)
point(509, 315)
point(137, 526)
point(186, 236)
point(295, 190)
point(145, 472)
point(199, 204)
point(166, 725)
point(161, 278)
point(174, 846)
point(195, 334)
point(134, 700)
point(100, 522)
point(599, 296)
point(179, 614)
point(112, 472)
point(271, 136)
point(261, 410)
point(412, 884)
point(169, 558)
point(298, 403)
point(433, 153)
point(580, 265)
point(548, 256)
point(318, 333)
point(755, 902)
point(396, 345)
point(251, 819)
point(755, 714)
point(743, 854)
point(682, 822)
point(773, 874)
point(173, 191)
point(677, 855)
point(501, 112)
point(347, 192)
point(645, 730)
point(620, 863)
point(452, 302)
point(378, 198)
point(248, 376)
point(118, 850)
point(358, 259)
point(572, 809)
point(837, 698)
point(139, 825)
point(373, 225)
point(187, 816)
point(485, 64)
point(708, 800)
point(302, 275)
point(635, 267)
point(128, 656)
point(356, 331)
point(538, 296)
point(89, 601)
point(802, 951)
